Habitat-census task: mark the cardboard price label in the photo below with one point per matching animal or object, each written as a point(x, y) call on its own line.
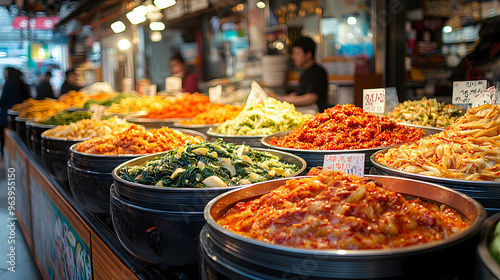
point(98, 112)
point(374, 100)
point(257, 94)
point(173, 84)
point(349, 163)
point(151, 90)
point(464, 91)
point(128, 84)
point(215, 94)
point(486, 97)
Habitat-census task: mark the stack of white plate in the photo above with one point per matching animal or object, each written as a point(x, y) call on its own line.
point(274, 69)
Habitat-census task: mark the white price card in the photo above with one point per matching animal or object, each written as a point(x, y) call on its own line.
point(257, 94)
point(486, 97)
point(464, 90)
point(349, 163)
point(374, 100)
point(98, 112)
point(151, 90)
point(215, 94)
point(128, 84)
point(173, 84)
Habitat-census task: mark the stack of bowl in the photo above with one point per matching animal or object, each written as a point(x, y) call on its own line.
point(11, 117)
point(228, 255)
point(36, 136)
point(90, 176)
point(161, 225)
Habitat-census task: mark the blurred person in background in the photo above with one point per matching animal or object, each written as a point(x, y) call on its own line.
point(14, 91)
point(178, 69)
point(44, 88)
point(70, 83)
point(313, 85)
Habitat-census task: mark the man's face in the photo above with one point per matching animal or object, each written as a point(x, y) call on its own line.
point(176, 66)
point(299, 57)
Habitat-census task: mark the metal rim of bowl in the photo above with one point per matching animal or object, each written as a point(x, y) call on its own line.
point(150, 120)
point(180, 125)
point(151, 187)
point(434, 179)
point(483, 247)
point(18, 119)
point(35, 124)
point(475, 226)
point(211, 132)
point(423, 127)
point(265, 140)
point(13, 113)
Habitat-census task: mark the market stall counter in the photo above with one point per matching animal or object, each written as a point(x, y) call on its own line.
point(66, 241)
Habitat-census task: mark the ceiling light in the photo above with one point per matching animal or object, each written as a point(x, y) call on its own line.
point(156, 36)
point(118, 26)
point(123, 44)
point(157, 26)
point(261, 5)
point(351, 20)
point(137, 15)
point(447, 29)
point(162, 4)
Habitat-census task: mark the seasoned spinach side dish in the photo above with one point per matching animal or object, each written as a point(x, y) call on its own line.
point(209, 165)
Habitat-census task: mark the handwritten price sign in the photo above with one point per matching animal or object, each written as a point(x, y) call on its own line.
point(349, 163)
point(374, 100)
point(98, 112)
point(464, 91)
point(486, 97)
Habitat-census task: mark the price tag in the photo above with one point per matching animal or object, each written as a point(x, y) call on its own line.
point(391, 99)
point(215, 94)
point(151, 90)
point(486, 97)
point(127, 84)
point(173, 84)
point(257, 94)
point(374, 100)
point(464, 91)
point(98, 112)
point(349, 163)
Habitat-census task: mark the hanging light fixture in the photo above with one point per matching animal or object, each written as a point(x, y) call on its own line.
point(118, 26)
point(157, 26)
point(137, 15)
point(123, 44)
point(162, 4)
point(156, 36)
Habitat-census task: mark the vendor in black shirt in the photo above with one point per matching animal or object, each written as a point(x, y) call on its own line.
point(313, 85)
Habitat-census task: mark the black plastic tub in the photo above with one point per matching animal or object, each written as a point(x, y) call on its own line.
point(11, 118)
point(159, 224)
point(228, 255)
point(21, 128)
point(90, 176)
point(29, 138)
point(36, 136)
point(487, 267)
point(55, 156)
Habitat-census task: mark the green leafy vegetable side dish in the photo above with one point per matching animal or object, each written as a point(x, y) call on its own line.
point(65, 117)
point(263, 119)
point(209, 165)
point(495, 244)
point(109, 101)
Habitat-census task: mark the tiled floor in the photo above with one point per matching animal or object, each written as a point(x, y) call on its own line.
point(25, 266)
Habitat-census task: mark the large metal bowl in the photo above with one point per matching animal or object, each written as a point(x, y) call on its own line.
point(487, 267)
point(486, 192)
point(428, 130)
point(316, 158)
point(90, 178)
point(203, 128)
point(228, 254)
point(162, 225)
point(153, 123)
point(251, 140)
point(21, 128)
